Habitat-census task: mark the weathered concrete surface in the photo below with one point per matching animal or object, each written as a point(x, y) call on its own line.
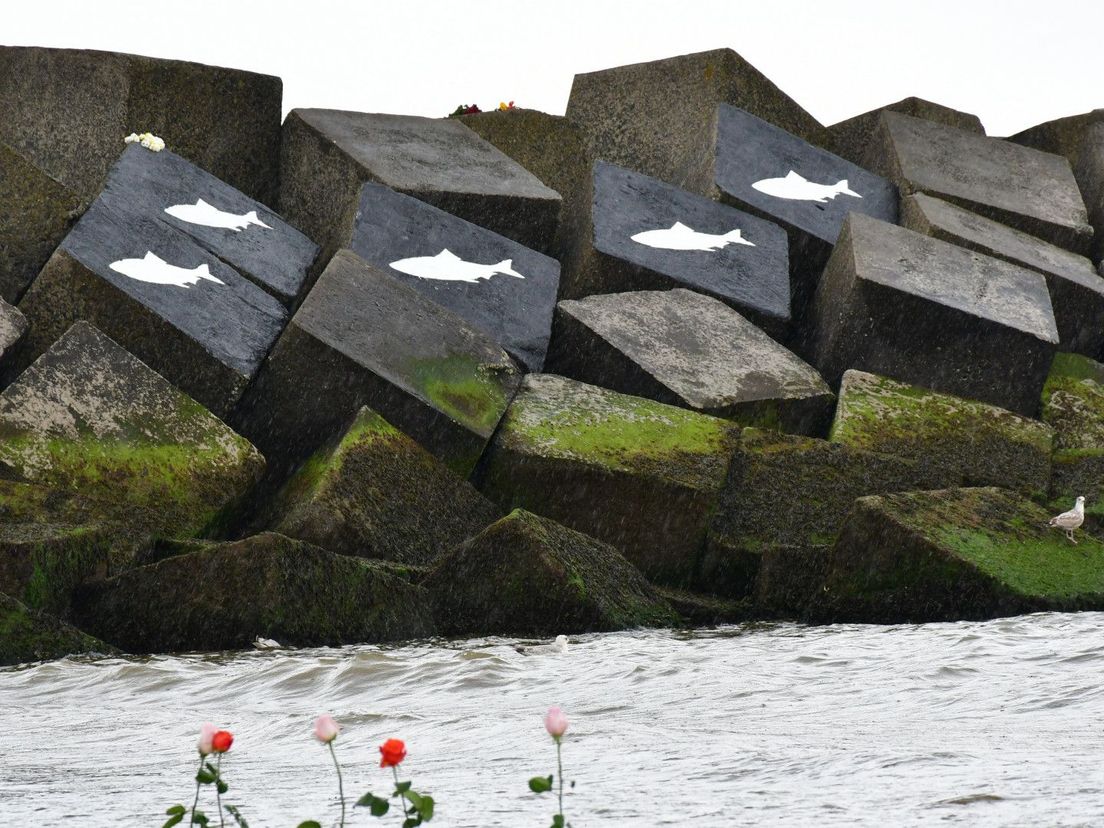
point(954, 442)
point(261, 246)
point(849, 138)
point(28, 635)
point(1062, 136)
point(68, 111)
point(42, 564)
point(208, 337)
point(375, 493)
point(1089, 171)
point(1073, 404)
point(1030, 190)
point(920, 310)
point(659, 118)
point(362, 338)
point(399, 234)
point(528, 575)
point(689, 350)
point(89, 417)
point(1076, 289)
point(36, 211)
point(750, 275)
point(13, 327)
point(327, 154)
point(956, 554)
point(786, 498)
point(642, 476)
point(224, 596)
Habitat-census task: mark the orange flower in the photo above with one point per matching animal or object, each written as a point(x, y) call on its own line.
point(393, 752)
point(221, 741)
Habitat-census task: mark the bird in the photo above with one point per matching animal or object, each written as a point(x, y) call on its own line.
point(265, 644)
point(1068, 521)
point(557, 646)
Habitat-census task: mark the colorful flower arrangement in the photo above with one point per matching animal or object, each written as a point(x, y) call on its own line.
point(473, 109)
point(147, 140)
point(417, 808)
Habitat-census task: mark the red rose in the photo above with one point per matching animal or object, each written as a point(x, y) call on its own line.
point(221, 741)
point(393, 752)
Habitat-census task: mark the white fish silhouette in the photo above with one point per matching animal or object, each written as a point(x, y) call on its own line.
point(797, 188)
point(680, 237)
point(449, 267)
point(157, 271)
point(203, 213)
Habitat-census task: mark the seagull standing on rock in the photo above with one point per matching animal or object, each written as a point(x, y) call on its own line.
point(1071, 520)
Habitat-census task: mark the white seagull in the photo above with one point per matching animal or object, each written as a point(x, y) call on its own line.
point(558, 646)
point(1068, 521)
point(260, 643)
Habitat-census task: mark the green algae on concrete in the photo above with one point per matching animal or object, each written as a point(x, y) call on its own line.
point(29, 635)
point(376, 493)
point(956, 442)
point(41, 564)
point(528, 575)
point(640, 475)
point(224, 596)
point(956, 554)
point(89, 417)
point(1073, 405)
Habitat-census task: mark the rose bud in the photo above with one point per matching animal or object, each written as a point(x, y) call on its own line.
point(393, 752)
point(555, 722)
point(325, 728)
point(206, 734)
point(221, 741)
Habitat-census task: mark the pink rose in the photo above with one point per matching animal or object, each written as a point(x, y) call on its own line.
point(206, 735)
point(555, 722)
point(325, 728)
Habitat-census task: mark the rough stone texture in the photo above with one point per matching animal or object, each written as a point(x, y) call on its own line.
point(1030, 190)
point(515, 312)
point(36, 212)
point(659, 118)
point(54, 100)
point(1089, 171)
point(790, 580)
point(849, 138)
point(955, 442)
point(1062, 136)
point(786, 497)
point(375, 493)
point(13, 327)
point(27, 635)
point(208, 338)
point(276, 258)
point(362, 338)
point(897, 303)
point(89, 417)
point(752, 279)
point(634, 473)
point(1073, 404)
point(327, 154)
point(528, 575)
point(41, 563)
point(1076, 289)
point(956, 554)
point(685, 349)
point(224, 596)
point(697, 610)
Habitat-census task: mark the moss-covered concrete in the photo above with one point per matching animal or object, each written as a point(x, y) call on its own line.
point(528, 575)
point(956, 554)
point(375, 493)
point(41, 564)
point(29, 635)
point(224, 596)
point(955, 442)
point(640, 475)
point(1073, 404)
point(698, 610)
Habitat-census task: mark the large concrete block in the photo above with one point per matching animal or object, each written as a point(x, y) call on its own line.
point(660, 118)
point(498, 286)
point(1062, 136)
point(920, 310)
point(36, 211)
point(41, 564)
point(642, 234)
point(1030, 190)
point(1089, 171)
point(89, 417)
point(1076, 289)
point(30, 635)
point(850, 138)
point(1073, 404)
point(68, 111)
point(327, 154)
point(362, 338)
point(685, 349)
point(637, 474)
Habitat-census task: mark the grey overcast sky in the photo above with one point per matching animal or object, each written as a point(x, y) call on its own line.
point(1012, 63)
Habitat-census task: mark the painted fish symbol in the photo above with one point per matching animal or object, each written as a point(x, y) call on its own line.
point(449, 267)
point(157, 271)
point(209, 216)
point(797, 188)
point(680, 237)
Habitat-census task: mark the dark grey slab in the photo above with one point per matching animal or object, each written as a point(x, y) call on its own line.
point(1024, 188)
point(1062, 136)
point(1090, 178)
point(923, 311)
point(848, 139)
point(462, 267)
point(206, 334)
point(363, 338)
point(239, 230)
point(1076, 290)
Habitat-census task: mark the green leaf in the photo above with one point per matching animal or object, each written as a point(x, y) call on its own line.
point(222, 786)
point(236, 814)
point(426, 808)
point(377, 805)
point(540, 784)
point(558, 821)
point(413, 798)
point(205, 777)
point(176, 809)
point(401, 788)
point(199, 818)
point(411, 822)
point(310, 823)
point(175, 819)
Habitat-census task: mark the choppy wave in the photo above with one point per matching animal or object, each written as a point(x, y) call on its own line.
point(979, 724)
